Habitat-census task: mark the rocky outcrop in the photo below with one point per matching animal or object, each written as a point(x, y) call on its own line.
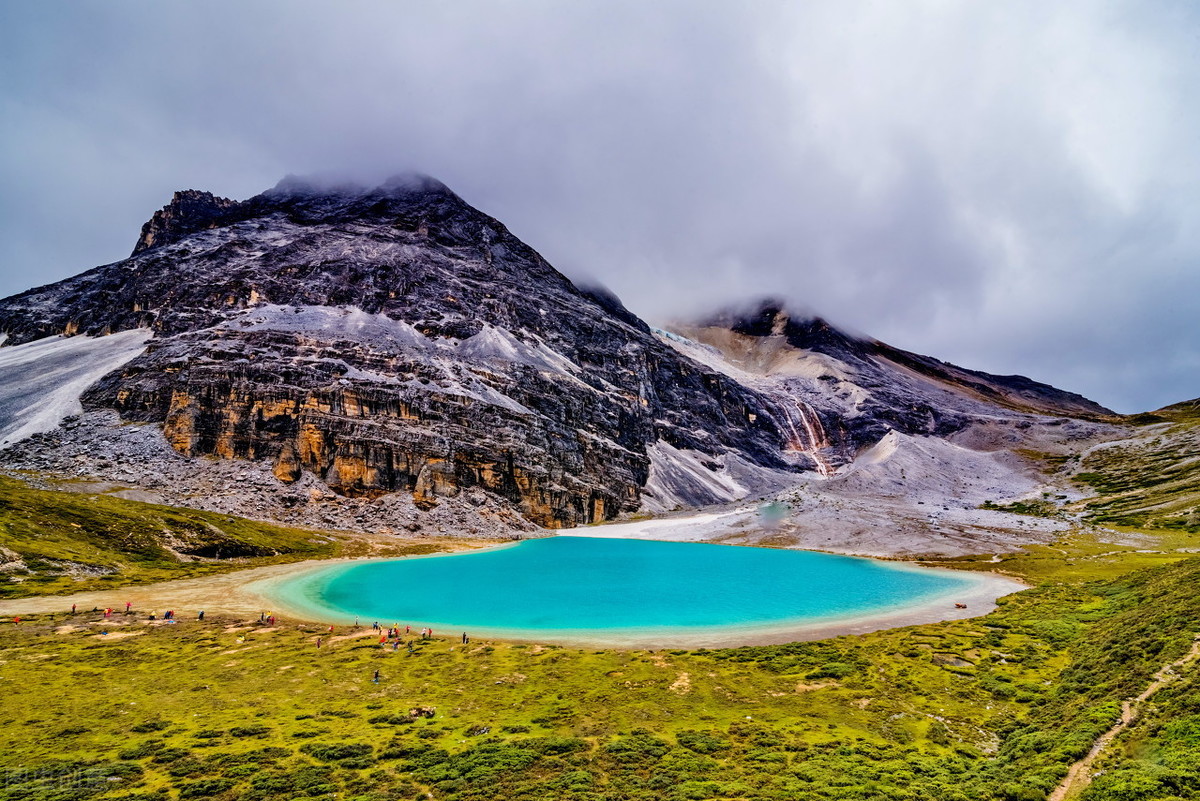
point(393, 340)
point(189, 211)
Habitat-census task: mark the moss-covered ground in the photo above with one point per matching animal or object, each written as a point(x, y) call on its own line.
point(989, 708)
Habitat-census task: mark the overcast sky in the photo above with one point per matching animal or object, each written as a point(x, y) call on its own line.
point(1014, 187)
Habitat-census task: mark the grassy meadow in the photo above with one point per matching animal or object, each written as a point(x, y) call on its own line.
point(54, 542)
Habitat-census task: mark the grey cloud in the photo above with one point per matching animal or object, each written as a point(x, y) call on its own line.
point(1013, 187)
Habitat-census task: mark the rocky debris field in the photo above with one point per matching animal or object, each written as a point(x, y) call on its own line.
point(95, 452)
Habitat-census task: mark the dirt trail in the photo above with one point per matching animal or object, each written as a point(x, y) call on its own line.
point(220, 594)
point(1080, 774)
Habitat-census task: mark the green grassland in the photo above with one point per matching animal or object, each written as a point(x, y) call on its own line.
point(54, 542)
point(1086, 553)
point(990, 708)
point(995, 707)
point(1152, 481)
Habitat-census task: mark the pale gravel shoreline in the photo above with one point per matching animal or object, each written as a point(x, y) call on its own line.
point(255, 591)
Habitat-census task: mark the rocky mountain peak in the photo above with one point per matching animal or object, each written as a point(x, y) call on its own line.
point(409, 247)
point(189, 211)
point(885, 373)
point(772, 317)
point(306, 200)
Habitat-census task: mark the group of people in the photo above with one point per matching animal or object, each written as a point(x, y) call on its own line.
point(108, 612)
point(393, 632)
point(393, 636)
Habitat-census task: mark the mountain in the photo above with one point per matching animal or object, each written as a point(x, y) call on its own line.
point(393, 340)
point(333, 348)
point(845, 392)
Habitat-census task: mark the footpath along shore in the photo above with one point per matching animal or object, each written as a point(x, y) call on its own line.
point(235, 593)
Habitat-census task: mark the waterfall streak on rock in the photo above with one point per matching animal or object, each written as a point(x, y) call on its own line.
point(812, 440)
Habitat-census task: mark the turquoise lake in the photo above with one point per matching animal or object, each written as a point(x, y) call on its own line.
point(610, 587)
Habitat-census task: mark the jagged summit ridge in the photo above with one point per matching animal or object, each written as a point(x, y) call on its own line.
point(189, 211)
point(192, 210)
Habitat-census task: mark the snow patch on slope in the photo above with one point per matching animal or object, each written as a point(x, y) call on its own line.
point(347, 322)
point(500, 345)
point(389, 335)
point(41, 381)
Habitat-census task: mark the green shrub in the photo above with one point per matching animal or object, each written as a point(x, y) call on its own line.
point(833, 670)
point(141, 750)
point(702, 742)
point(149, 726)
point(249, 731)
point(333, 752)
point(204, 788)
